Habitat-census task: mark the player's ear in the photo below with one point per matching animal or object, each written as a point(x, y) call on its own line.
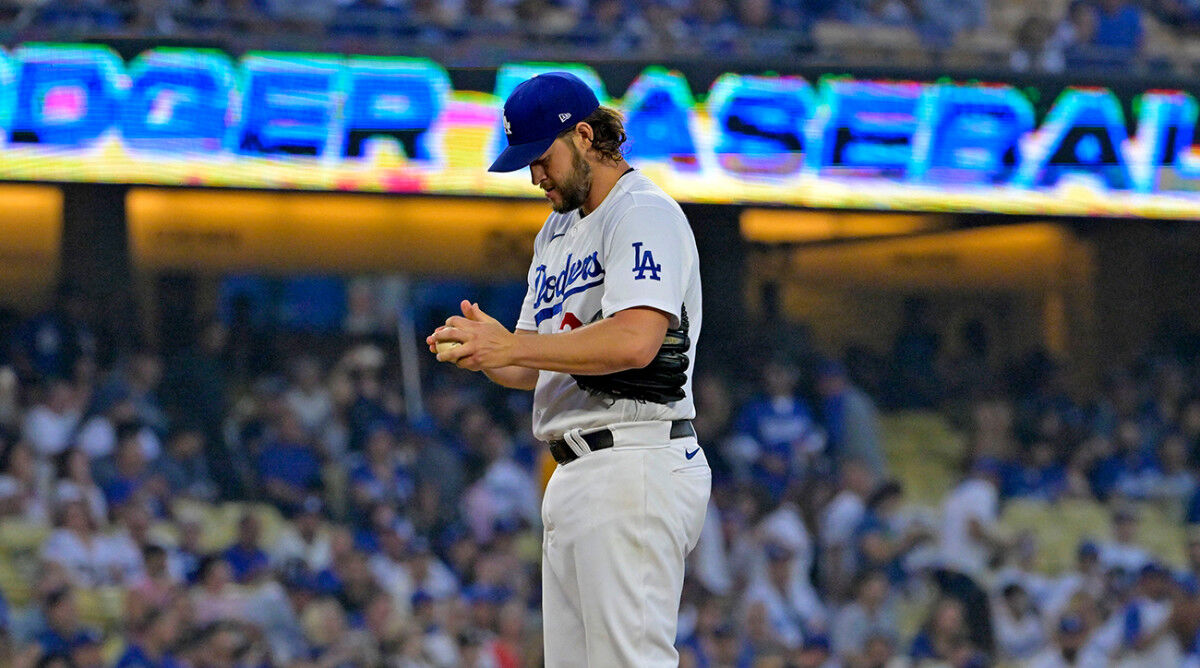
point(585, 133)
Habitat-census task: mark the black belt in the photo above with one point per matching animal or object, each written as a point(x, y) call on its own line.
point(603, 439)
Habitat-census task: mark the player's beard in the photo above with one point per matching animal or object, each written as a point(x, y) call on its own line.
point(574, 190)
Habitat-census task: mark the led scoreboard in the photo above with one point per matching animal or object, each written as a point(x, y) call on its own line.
point(380, 124)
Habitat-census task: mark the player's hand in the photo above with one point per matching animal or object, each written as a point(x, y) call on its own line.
point(486, 344)
point(431, 342)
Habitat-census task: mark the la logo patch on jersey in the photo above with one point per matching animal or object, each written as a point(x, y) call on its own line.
point(643, 264)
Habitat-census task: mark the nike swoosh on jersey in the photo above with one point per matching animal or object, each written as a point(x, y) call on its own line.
point(691, 454)
point(555, 236)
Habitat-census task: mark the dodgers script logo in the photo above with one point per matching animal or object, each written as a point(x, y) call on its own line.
point(577, 275)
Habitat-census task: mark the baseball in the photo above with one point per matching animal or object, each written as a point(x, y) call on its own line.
point(443, 346)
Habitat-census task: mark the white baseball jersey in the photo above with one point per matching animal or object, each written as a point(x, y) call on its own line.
point(635, 249)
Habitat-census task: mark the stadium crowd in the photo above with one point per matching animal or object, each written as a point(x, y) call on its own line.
point(232, 503)
point(1038, 36)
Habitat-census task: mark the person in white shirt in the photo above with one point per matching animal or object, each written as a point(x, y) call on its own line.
point(98, 435)
point(304, 538)
point(1020, 631)
point(1123, 552)
point(22, 486)
point(1139, 634)
point(75, 483)
point(970, 536)
point(785, 527)
point(89, 558)
point(506, 491)
point(969, 521)
point(308, 397)
point(50, 424)
point(1066, 649)
point(870, 614)
point(1087, 579)
point(789, 609)
point(839, 520)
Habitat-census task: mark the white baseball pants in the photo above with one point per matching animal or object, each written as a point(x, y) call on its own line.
point(618, 525)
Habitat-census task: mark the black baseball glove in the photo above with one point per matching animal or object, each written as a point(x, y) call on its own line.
point(661, 381)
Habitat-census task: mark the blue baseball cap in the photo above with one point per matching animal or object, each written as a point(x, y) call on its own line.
point(537, 111)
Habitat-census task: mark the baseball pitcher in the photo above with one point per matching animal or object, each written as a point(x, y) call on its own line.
point(605, 338)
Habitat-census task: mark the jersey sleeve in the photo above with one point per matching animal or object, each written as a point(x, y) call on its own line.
point(526, 319)
point(650, 255)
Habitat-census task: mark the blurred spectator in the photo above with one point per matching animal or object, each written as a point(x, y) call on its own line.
point(775, 432)
point(882, 541)
point(1020, 630)
point(882, 12)
point(23, 488)
point(184, 468)
point(64, 631)
point(76, 483)
point(944, 637)
point(215, 598)
point(870, 614)
point(185, 559)
point(246, 558)
point(126, 475)
point(379, 474)
point(504, 493)
point(141, 378)
point(155, 636)
point(713, 26)
point(305, 539)
point(1086, 580)
point(1123, 552)
point(840, 520)
point(970, 537)
point(969, 533)
point(49, 425)
point(48, 345)
point(90, 558)
point(1138, 634)
point(308, 397)
point(288, 465)
point(1039, 476)
point(782, 598)
point(944, 20)
point(156, 587)
point(1118, 27)
point(194, 392)
point(98, 435)
point(1070, 634)
point(850, 419)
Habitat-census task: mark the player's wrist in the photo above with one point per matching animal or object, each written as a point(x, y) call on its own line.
point(517, 353)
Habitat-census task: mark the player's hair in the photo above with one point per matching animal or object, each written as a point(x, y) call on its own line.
point(608, 133)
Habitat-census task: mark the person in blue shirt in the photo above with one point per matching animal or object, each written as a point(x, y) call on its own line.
point(246, 558)
point(288, 465)
point(48, 345)
point(850, 418)
point(151, 647)
point(880, 546)
point(380, 475)
point(775, 423)
point(1118, 26)
point(63, 629)
point(1040, 476)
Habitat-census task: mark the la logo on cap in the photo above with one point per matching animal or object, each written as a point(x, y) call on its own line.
point(562, 118)
point(507, 127)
